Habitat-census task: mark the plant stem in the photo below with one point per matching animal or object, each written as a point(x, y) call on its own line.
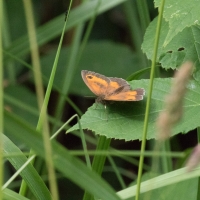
point(153, 66)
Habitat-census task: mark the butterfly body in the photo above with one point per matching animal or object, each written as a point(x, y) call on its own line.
point(110, 88)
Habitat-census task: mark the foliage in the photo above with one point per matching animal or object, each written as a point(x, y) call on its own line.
point(105, 37)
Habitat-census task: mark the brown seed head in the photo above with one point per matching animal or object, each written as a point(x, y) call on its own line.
point(174, 102)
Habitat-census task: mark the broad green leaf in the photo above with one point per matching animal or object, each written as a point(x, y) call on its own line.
point(71, 167)
point(29, 174)
point(125, 120)
point(95, 58)
point(183, 47)
point(180, 14)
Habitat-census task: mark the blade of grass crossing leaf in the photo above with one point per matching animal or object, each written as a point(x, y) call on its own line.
point(1, 96)
point(149, 100)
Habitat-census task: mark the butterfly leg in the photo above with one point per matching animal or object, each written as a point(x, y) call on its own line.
point(106, 110)
point(96, 103)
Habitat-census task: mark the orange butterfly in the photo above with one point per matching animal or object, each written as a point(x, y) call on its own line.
point(109, 88)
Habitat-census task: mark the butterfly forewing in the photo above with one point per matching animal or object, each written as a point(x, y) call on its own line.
point(95, 82)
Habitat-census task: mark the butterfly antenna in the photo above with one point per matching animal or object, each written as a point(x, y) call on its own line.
point(89, 96)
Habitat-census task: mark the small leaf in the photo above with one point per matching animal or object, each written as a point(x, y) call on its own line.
point(180, 49)
point(125, 120)
point(180, 14)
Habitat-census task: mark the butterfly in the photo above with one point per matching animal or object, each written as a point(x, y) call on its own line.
point(111, 89)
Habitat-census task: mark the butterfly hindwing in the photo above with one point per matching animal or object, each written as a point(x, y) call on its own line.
point(131, 95)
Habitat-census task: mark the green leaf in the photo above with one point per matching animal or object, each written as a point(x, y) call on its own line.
point(69, 166)
point(180, 14)
point(11, 195)
point(29, 174)
point(179, 179)
point(124, 120)
point(183, 47)
point(183, 190)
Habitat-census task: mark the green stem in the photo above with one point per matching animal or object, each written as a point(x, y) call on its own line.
point(153, 66)
point(143, 14)
point(135, 30)
point(198, 138)
point(1, 99)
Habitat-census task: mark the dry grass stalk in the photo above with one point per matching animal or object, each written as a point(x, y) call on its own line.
point(174, 102)
point(194, 158)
